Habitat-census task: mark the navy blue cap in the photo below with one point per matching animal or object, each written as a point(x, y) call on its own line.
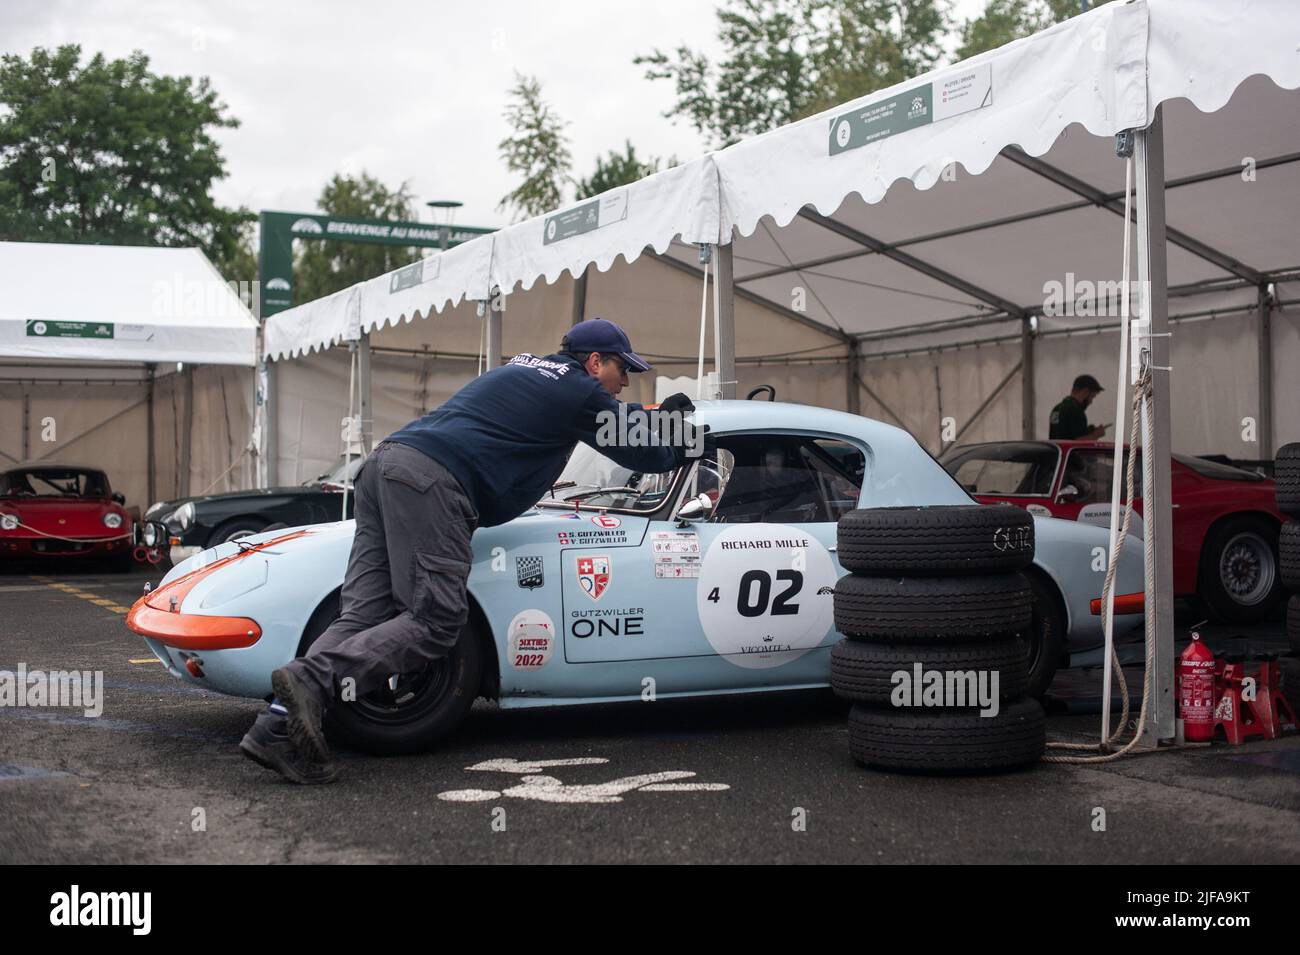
point(602, 335)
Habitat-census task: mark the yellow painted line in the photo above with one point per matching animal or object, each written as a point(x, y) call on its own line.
point(150, 660)
point(106, 602)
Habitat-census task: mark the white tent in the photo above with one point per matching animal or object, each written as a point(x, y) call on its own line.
point(962, 231)
point(959, 261)
point(90, 341)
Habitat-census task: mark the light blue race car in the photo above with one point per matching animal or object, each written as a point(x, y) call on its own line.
point(621, 585)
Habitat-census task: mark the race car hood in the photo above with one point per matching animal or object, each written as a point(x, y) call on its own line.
point(541, 525)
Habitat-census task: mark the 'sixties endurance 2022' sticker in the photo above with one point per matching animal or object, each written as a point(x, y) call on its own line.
point(765, 594)
point(532, 639)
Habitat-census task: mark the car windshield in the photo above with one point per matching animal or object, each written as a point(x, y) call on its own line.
point(343, 471)
point(1023, 469)
point(592, 480)
point(53, 482)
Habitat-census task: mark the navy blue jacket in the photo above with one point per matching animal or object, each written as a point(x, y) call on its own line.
point(507, 435)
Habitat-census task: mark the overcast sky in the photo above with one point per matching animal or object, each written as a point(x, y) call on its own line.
point(408, 91)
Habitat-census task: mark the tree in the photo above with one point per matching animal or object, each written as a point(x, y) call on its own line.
point(786, 59)
point(1005, 20)
point(108, 152)
point(537, 149)
point(618, 169)
point(322, 267)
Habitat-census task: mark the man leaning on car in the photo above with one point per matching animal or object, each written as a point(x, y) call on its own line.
point(483, 458)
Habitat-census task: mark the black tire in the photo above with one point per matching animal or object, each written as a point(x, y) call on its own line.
point(863, 672)
point(235, 528)
point(931, 609)
point(948, 741)
point(1239, 578)
point(274, 527)
point(972, 539)
point(424, 709)
point(1286, 478)
point(1046, 637)
point(1288, 552)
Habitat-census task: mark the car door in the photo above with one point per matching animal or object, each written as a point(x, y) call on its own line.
point(752, 581)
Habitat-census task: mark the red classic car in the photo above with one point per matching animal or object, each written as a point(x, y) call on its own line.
point(1226, 520)
point(63, 511)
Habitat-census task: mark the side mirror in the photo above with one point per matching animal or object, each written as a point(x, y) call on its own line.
point(119, 497)
point(697, 508)
point(1066, 494)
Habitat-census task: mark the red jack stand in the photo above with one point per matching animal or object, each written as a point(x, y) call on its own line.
point(1266, 716)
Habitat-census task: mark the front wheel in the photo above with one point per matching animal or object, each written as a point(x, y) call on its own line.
point(1239, 579)
point(416, 710)
point(234, 529)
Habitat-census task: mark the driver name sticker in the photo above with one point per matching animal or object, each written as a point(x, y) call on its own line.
point(532, 639)
point(1099, 514)
point(590, 538)
point(765, 594)
point(676, 554)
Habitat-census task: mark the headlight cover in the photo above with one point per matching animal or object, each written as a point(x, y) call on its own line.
point(112, 520)
point(9, 522)
point(184, 516)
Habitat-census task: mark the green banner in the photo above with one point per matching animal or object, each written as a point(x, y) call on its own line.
point(39, 328)
point(587, 217)
point(279, 229)
point(950, 95)
point(583, 218)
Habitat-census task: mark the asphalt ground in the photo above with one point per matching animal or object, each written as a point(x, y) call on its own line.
point(764, 778)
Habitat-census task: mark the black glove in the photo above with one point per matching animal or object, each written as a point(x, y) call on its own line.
point(677, 402)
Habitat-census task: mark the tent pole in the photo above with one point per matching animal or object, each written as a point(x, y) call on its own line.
point(271, 429)
point(495, 308)
point(187, 427)
point(27, 425)
point(1264, 426)
point(854, 403)
point(1157, 512)
point(149, 388)
point(724, 277)
point(580, 296)
point(363, 386)
point(1027, 409)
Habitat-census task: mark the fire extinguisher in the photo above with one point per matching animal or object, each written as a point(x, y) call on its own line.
point(1196, 691)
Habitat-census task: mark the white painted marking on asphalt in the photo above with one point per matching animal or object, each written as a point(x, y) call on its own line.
point(525, 766)
point(469, 795)
point(543, 788)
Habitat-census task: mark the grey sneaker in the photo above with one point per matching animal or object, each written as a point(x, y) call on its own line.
point(268, 744)
point(304, 708)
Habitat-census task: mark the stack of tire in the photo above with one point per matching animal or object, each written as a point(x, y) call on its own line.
point(1286, 477)
point(940, 588)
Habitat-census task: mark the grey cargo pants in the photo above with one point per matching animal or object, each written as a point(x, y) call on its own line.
point(403, 598)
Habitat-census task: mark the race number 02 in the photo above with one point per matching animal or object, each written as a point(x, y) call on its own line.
point(781, 606)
